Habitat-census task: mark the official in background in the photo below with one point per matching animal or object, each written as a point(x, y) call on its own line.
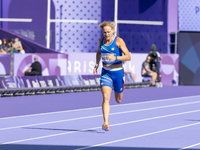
point(35, 68)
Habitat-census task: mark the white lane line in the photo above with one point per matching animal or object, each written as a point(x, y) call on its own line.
point(135, 121)
point(138, 136)
point(190, 146)
point(83, 109)
point(88, 117)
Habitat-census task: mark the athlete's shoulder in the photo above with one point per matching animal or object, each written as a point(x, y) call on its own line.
point(100, 40)
point(119, 39)
point(119, 42)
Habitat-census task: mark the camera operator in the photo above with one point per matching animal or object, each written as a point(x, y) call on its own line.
point(155, 57)
point(155, 61)
point(147, 72)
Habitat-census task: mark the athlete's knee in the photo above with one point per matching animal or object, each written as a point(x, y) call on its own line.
point(119, 100)
point(106, 97)
point(118, 97)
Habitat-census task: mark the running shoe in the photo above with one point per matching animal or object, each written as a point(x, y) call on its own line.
point(105, 127)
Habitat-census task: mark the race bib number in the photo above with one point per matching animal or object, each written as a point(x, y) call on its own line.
point(104, 57)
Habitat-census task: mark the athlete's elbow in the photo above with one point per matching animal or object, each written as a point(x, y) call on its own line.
point(129, 58)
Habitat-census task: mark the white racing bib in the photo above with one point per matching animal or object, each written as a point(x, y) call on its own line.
point(104, 57)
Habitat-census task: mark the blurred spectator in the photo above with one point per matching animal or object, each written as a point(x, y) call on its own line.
point(35, 68)
point(17, 46)
point(10, 45)
point(4, 46)
point(147, 72)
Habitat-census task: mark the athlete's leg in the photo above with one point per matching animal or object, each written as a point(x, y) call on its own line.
point(118, 97)
point(118, 84)
point(106, 91)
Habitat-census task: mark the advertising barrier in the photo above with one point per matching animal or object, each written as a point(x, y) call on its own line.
point(53, 81)
point(5, 64)
point(83, 64)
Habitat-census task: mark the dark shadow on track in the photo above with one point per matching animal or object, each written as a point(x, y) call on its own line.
point(52, 147)
point(66, 130)
point(192, 120)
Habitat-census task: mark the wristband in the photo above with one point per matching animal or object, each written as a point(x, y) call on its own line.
point(116, 57)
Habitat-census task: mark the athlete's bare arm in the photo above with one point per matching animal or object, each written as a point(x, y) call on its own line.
point(98, 57)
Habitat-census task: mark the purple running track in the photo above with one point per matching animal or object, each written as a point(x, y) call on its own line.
point(15, 106)
point(153, 123)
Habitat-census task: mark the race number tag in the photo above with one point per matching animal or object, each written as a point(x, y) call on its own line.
point(104, 57)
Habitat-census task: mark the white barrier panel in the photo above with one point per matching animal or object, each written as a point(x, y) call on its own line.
point(83, 63)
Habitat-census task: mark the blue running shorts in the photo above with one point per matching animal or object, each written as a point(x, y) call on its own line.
point(113, 79)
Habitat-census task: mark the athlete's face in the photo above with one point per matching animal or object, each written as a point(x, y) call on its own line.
point(108, 32)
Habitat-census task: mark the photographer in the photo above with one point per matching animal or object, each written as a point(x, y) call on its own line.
point(147, 72)
point(155, 57)
point(155, 61)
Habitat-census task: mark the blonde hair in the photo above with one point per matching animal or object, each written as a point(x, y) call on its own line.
point(107, 23)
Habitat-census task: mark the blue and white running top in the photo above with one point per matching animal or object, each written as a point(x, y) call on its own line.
point(110, 49)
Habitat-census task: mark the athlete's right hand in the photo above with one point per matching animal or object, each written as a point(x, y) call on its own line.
point(95, 69)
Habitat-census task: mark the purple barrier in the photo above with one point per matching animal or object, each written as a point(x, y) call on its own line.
point(36, 81)
point(75, 80)
point(31, 82)
point(91, 79)
point(3, 83)
point(22, 82)
point(128, 78)
point(53, 81)
point(170, 69)
point(10, 82)
point(5, 64)
point(42, 81)
point(49, 81)
point(58, 80)
point(18, 82)
point(52, 64)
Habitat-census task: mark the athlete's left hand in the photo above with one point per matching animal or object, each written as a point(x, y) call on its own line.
point(111, 57)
